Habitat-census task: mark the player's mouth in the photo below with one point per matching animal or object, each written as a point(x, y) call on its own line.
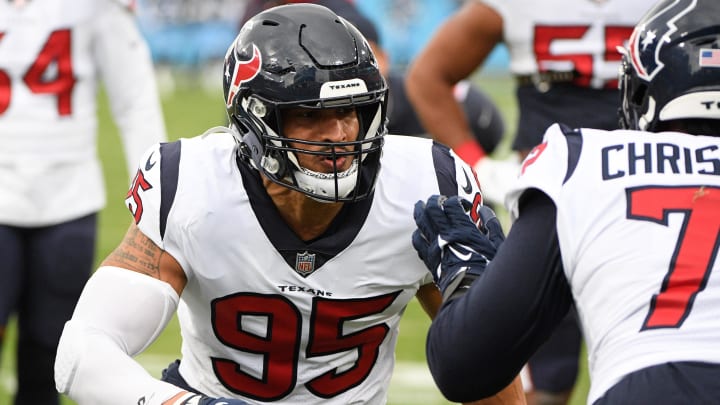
point(339, 163)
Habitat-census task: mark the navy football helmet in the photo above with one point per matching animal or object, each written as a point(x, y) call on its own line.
point(671, 68)
point(304, 55)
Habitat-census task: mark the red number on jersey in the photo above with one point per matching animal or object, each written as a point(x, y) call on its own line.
point(695, 252)
point(280, 344)
point(4, 87)
point(133, 198)
point(545, 35)
point(533, 156)
point(54, 57)
point(326, 337)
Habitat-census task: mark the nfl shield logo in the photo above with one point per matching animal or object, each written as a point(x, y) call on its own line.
point(305, 263)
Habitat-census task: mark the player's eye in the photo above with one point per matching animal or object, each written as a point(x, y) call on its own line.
point(300, 114)
point(345, 111)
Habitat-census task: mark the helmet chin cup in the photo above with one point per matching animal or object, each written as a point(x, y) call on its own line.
point(327, 185)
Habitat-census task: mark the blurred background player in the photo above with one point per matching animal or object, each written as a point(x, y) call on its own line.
point(53, 54)
point(564, 58)
point(624, 224)
point(484, 118)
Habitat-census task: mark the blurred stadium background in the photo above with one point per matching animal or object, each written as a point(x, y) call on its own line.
point(192, 102)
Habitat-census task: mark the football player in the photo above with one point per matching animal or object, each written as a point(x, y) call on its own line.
point(624, 224)
point(564, 59)
point(283, 241)
point(53, 56)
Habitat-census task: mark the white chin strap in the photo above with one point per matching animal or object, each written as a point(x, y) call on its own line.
point(324, 183)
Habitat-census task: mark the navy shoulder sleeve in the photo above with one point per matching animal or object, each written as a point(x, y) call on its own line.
point(453, 176)
point(170, 167)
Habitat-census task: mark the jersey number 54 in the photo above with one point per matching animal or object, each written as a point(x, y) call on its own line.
point(54, 54)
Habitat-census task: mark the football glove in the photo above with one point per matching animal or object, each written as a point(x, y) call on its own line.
point(197, 399)
point(453, 247)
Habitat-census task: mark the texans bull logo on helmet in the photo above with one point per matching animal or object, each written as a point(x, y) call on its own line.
point(238, 72)
point(645, 45)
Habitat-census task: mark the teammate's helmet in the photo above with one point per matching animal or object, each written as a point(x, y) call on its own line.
point(671, 69)
point(304, 55)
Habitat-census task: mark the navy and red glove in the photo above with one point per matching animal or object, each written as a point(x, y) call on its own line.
point(453, 247)
point(221, 401)
point(197, 399)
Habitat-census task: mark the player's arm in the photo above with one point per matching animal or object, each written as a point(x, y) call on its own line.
point(125, 305)
point(124, 61)
point(457, 48)
point(430, 299)
point(138, 253)
point(479, 342)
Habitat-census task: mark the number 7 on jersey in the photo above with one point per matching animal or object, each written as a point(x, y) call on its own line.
point(695, 252)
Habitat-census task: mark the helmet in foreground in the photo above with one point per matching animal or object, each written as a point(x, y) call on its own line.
point(671, 69)
point(304, 55)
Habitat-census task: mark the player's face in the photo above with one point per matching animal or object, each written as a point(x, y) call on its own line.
point(326, 125)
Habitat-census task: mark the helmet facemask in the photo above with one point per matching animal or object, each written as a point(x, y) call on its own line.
point(280, 160)
point(637, 110)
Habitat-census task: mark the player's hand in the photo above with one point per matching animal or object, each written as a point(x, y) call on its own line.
point(495, 177)
point(219, 401)
point(451, 245)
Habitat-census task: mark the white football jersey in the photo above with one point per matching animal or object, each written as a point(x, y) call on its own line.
point(638, 222)
point(266, 316)
point(52, 55)
point(568, 35)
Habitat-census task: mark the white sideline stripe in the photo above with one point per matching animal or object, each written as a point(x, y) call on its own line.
point(411, 382)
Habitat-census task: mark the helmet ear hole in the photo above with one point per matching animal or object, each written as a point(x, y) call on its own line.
point(275, 163)
point(639, 95)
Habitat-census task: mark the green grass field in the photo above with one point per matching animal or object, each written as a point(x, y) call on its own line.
point(189, 111)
